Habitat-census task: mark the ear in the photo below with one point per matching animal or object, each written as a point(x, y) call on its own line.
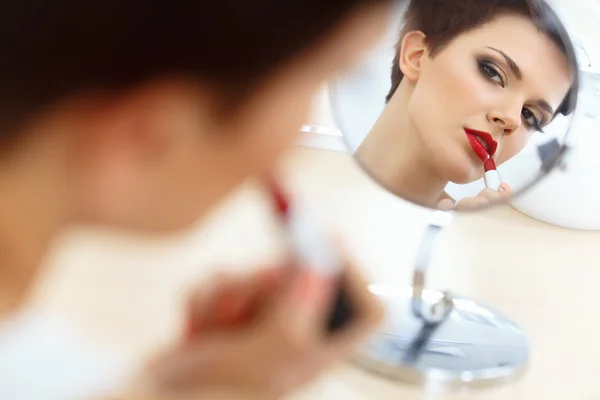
point(144, 124)
point(132, 138)
point(412, 51)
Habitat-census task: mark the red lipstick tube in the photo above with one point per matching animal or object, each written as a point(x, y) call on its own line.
point(311, 249)
point(492, 176)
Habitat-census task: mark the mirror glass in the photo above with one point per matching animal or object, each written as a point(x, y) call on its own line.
point(462, 104)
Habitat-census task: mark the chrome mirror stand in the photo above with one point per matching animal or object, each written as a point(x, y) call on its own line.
point(438, 341)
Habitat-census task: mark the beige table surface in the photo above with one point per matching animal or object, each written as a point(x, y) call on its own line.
point(126, 293)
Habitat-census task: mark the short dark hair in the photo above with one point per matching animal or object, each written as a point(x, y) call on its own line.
point(53, 49)
point(443, 20)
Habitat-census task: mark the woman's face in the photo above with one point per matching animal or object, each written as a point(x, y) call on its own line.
point(505, 78)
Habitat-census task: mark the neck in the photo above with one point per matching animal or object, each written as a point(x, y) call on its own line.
point(396, 156)
point(31, 205)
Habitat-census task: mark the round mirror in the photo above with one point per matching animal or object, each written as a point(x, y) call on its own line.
point(464, 104)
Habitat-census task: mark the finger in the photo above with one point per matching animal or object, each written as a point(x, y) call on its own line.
point(199, 304)
point(216, 304)
point(239, 299)
point(490, 194)
point(471, 202)
point(446, 205)
point(234, 303)
point(190, 364)
point(505, 188)
point(271, 280)
point(268, 277)
point(261, 288)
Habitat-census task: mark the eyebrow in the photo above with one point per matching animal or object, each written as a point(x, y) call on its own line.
point(517, 72)
point(511, 63)
point(544, 104)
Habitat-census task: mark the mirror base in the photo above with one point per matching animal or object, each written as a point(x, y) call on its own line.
point(475, 347)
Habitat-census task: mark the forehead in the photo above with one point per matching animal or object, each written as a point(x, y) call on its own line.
point(545, 68)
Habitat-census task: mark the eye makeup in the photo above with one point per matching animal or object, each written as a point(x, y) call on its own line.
point(491, 71)
point(535, 122)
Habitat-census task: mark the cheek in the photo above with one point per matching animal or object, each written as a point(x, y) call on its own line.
point(467, 91)
point(513, 145)
point(452, 90)
point(183, 182)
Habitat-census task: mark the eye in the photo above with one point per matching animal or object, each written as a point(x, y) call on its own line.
point(491, 72)
point(531, 120)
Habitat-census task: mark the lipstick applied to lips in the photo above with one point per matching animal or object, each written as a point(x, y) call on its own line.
point(484, 146)
point(482, 143)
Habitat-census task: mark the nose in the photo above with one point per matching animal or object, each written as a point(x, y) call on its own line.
point(508, 123)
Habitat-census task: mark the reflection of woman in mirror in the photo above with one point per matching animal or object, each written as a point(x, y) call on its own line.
point(501, 68)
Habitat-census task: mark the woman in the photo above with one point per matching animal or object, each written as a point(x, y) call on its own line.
point(468, 71)
point(141, 115)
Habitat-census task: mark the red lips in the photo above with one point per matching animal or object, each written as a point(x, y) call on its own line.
point(476, 137)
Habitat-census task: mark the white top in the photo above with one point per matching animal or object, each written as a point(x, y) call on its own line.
point(42, 359)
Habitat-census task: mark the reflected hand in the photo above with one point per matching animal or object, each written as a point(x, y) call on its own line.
point(486, 196)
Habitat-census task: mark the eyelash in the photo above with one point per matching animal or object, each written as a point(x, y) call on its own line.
point(490, 71)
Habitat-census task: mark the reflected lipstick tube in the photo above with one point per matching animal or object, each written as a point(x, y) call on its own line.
point(492, 176)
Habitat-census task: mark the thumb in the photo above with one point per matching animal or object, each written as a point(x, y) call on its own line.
point(505, 187)
point(446, 205)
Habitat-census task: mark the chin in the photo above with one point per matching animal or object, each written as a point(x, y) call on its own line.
point(464, 179)
point(156, 227)
point(177, 226)
point(458, 170)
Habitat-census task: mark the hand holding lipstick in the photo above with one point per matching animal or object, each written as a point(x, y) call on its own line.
point(264, 334)
point(270, 339)
point(485, 197)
